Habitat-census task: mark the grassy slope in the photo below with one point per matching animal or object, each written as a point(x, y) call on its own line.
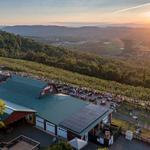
point(75, 78)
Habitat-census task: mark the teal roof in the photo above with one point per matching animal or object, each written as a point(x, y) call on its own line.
point(86, 119)
point(25, 92)
point(90, 127)
point(11, 107)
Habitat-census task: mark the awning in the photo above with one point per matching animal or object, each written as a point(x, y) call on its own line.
point(77, 143)
point(15, 116)
point(14, 112)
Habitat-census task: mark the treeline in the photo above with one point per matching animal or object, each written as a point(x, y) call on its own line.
point(123, 71)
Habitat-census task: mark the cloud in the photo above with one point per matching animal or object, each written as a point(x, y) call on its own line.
point(131, 8)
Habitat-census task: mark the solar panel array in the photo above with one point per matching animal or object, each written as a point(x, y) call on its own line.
point(85, 117)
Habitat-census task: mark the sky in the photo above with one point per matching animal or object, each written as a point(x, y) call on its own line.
point(46, 12)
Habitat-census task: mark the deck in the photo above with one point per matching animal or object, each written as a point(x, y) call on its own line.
point(43, 138)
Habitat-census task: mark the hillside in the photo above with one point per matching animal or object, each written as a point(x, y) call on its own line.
point(75, 78)
point(129, 71)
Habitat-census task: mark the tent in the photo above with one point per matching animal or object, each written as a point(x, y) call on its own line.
point(77, 143)
point(129, 135)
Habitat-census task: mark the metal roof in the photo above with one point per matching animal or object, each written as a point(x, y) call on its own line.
point(23, 91)
point(11, 107)
point(83, 119)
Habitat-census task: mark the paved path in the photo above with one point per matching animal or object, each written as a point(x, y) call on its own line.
point(130, 120)
point(124, 117)
point(31, 132)
point(122, 144)
point(46, 140)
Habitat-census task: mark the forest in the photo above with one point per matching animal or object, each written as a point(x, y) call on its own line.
point(132, 71)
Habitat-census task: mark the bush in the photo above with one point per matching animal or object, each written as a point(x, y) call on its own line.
point(61, 146)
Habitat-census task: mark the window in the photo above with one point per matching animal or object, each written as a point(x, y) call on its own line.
point(40, 122)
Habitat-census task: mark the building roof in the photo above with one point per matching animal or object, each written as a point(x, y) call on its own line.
point(11, 107)
point(25, 92)
point(22, 94)
point(85, 118)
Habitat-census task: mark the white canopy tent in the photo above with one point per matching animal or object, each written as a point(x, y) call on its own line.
point(78, 144)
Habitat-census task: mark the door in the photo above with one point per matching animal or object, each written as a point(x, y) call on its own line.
point(62, 132)
point(86, 136)
point(39, 122)
point(50, 127)
point(105, 120)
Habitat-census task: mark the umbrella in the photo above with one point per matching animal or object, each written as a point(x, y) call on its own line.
point(77, 143)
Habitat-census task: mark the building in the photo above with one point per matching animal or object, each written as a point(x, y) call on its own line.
point(58, 114)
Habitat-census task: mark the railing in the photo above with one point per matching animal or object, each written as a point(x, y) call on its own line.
point(36, 145)
point(138, 137)
point(141, 138)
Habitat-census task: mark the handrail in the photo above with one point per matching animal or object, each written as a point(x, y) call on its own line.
point(36, 144)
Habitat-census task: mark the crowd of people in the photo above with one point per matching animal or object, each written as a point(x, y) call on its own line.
point(96, 97)
point(101, 98)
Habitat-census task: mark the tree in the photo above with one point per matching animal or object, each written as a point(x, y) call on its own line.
point(61, 146)
point(128, 45)
point(2, 108)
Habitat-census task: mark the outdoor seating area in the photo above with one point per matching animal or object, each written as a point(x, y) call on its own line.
point(89, 95)
point(29, 131)
point(78, 144)
point(79, 92)
point(21, 142)
point(104, 134)
point(120, 144)
point(4, 76)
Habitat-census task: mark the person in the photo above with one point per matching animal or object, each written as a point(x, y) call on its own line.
point(54, 140)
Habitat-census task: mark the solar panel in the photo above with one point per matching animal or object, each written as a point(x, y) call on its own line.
point(85, 117)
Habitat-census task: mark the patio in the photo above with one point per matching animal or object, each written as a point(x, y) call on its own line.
point(43, 138)
point(21, 142)
point(122, 144)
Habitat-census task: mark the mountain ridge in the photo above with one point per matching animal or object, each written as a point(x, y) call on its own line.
point(54, 30)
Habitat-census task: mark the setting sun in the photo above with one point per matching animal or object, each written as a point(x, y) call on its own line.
point(146, 16)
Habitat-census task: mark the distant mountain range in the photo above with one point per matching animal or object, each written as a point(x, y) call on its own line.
point(62, 31)
point(87, 32)
point(1, 27)
point(99, 24)
point(93, 39)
